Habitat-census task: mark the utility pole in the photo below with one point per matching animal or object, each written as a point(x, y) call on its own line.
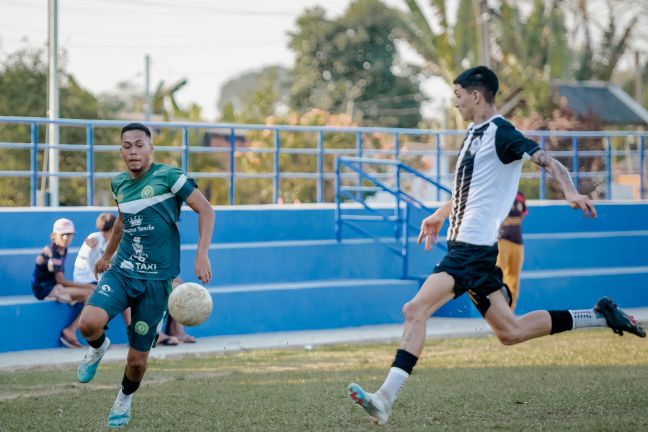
point(484, 34)
point(147, 88)
point(53, 103)
point(638, 83)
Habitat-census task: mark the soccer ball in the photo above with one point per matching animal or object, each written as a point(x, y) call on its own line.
point(190, 304)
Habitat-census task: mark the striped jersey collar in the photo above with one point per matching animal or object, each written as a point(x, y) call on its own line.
point(473, 126)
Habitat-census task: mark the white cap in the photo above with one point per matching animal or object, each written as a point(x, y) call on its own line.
point(63, 226)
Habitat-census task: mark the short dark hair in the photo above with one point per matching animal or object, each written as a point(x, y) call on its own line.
point(105, 221)
point(479, 78)
point(136, 126)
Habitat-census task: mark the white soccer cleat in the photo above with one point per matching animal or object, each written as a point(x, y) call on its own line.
point(375, 406)
point(88, 367)
point(120, 413)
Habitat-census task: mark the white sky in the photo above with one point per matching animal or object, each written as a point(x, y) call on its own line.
point(207, 42)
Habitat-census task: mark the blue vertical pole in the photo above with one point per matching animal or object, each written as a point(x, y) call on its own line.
point(320, 166)
point(543, 172)
point(232, 142)
point(338, 200)
point(642, 190)
point(405, 240)
point(275, 181)
point(397, 173)
point(575, 160)
point(185, 149)
point(359, 154)
point(34, 163)
point(90, 164)
point(608, 168)
point(438, 165)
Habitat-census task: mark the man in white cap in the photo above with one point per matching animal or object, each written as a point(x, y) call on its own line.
point(48, 279)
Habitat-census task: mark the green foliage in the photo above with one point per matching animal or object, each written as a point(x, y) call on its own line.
point(346, 65)
point(23, 92)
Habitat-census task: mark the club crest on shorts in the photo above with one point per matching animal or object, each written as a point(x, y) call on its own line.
point(141, 328)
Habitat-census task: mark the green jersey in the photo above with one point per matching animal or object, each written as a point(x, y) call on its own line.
point(150, 210)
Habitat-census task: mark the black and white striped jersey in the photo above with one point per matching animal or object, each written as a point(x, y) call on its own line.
point(486, 180)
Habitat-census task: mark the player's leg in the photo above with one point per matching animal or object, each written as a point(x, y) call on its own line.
point(512, 279)
point(147, 311)
point(511, 330)
point(134, 372)
point(436, 291)
point(108, 299)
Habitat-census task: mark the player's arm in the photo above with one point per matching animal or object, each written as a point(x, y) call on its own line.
point(561, 175)
point(104, 262)
point(432, 224)
point(198, 203)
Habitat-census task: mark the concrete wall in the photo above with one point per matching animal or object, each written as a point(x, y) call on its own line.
point(280, 268)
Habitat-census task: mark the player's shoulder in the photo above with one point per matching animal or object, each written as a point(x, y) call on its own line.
point(119, 179)
point(503, 124)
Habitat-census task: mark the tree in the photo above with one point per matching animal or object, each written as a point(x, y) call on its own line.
point(237, 92)
point(349, 64)
point(23, 92)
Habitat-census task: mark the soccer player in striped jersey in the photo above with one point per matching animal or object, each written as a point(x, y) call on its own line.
point(141, 259)
point(485, 183)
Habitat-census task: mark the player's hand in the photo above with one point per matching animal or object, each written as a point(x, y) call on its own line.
point(582, 202)
point(202, 267)
point(102, 265)
point(430, 228)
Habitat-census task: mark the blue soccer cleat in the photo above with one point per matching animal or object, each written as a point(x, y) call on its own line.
point(88, 367)
point(120, 413)
point(372, 403)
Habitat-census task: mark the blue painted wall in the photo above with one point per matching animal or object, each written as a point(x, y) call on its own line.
point(266, 259)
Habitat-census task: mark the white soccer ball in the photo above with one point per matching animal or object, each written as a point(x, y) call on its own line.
point(190, 304)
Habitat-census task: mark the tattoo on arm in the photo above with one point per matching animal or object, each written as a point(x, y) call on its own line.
point(556, 169)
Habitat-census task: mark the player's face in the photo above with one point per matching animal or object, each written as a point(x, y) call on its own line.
point(137, 151)
point(464, 102)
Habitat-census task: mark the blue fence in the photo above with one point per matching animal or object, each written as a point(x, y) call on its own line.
point(605, 159)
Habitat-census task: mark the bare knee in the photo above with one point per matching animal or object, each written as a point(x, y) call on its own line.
point(414, 312)
point(91, 324)
point(136, 364)
point(508, 336)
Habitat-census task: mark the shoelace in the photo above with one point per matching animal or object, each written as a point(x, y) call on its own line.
point(91, 355)
point(120, 407)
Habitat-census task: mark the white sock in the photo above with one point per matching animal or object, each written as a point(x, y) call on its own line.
point(392, 385)
point(121, 397)
point(587, 318)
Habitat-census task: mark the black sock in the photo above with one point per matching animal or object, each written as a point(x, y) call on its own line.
point(405, 361)
point(128, 386)
point(561, 320)
point(98, 342)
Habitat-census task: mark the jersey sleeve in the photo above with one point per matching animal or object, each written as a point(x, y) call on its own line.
point(180, 184)
point(511, 145)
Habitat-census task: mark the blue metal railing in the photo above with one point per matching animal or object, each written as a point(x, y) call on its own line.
point(441, 149)
point(403, 201)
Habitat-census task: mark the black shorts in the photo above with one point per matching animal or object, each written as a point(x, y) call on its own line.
point(474, 270)
point(42, 289)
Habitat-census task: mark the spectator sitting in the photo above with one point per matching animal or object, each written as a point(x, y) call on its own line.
point(92, 249)
point(48, 279)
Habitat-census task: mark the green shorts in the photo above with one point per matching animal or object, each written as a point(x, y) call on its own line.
point(146, 298)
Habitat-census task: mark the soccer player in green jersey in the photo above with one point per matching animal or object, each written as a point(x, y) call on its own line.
point(146, 238)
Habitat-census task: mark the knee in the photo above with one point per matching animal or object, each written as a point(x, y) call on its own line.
point(137, 365)
point(89, 325)
point(509, 336)
point(414, 312)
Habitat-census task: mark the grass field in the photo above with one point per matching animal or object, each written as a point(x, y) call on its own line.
point(585, 381)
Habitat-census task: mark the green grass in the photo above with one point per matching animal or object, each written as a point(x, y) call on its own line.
point(580, 381)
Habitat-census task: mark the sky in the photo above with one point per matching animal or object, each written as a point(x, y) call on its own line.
point(208, 42)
